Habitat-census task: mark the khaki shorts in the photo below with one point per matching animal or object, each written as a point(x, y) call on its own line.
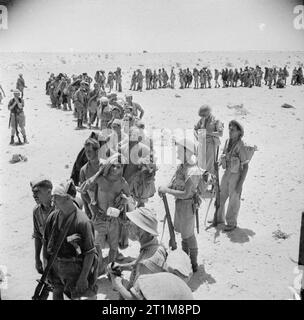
point(107, 231)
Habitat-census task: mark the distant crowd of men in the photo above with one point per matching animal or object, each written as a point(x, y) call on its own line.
point(201, 78)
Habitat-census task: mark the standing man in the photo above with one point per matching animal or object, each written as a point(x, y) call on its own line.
point(74, 271)
point(235, 162)
point(80, 100)
point(20, 85)
point(183, 187)
point(42, 194)
point(91, 148)
point(172, 78)
point(214, 130)
point(17, 117)
point(109, 185)
point(137, 110)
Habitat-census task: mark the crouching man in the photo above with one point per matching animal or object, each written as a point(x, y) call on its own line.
point(74, 271)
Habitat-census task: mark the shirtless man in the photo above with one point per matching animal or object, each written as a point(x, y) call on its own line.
point(91, 147)
point(112, 191)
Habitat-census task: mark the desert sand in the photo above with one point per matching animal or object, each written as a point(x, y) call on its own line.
point(248, 263)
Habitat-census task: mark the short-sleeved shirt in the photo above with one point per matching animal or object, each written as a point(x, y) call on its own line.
point(211, 125)
point(183, 173)
point(80, 225)
point(235, 156)
point(144, 265)
point(40, 215)
point(136, 109)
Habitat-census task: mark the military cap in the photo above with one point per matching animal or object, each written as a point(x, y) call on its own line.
point(42, 182)
point(145, 219)
point(238, 125)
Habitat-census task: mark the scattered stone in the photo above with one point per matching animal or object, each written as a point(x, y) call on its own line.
point(279, 234)
point(177, 96)
point(287, 106)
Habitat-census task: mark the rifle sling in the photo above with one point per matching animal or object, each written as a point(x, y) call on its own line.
point(58, 246)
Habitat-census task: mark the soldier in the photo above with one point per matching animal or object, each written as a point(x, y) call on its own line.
point(275, 76)
point(154, 79)
point(104, 113)
point(270, 78)
point(42, 194)
point(143, 228)
point(137, 110)
point(183, 187)
point(140, 79)
point(118, 79)
point(209, 78)
point(74, 271)
point(2, 94)
point(214, 130)
point(80, 101)
point(102, 79)
point(235, 78)
point(266, 76)
point(112, 192)
point(133, 81)
point(160, 78)
point(235, 162)
point(140, 170)
point(91, 147)
point(216, 76)
point(154, 275)
point(294, 76)
point(172, 78)
point(20, 85)
point(165, 78)
point(286, 74)
point(195, 76)
point(147, 79)
point(181, 79)
point(93, 105)
point(17, 117)
point(110, 81)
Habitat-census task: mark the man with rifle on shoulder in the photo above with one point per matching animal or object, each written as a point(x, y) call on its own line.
point(17, 117)
point(69, 248)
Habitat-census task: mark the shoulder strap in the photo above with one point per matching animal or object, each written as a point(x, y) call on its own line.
point(58, 246)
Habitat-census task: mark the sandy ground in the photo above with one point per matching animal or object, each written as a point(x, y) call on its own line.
point(248, 263)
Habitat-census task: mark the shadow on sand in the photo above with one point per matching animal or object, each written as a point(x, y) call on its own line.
point(200, 277)
point(240, 235)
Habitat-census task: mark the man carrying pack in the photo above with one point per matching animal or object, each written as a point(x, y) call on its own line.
point(235, 162)
point(80, 100)
point(17, 117)
point(74, 271)
point(42, 194)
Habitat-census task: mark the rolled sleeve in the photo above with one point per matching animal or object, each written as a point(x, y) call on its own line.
point(36, 232)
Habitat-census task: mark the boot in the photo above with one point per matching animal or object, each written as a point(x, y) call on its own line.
point(25, 140)
point(12, 140)
point(193, 258)
point(78, 124)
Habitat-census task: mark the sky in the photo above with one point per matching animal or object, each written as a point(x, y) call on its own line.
point(154, 26)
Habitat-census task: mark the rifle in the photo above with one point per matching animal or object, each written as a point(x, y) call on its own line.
point(217, 188)
point(301, 254)
point(43, 288)
point(172, 241)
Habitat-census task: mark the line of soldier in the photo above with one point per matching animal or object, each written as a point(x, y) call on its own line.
point(247, 77)
point(114, 193)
